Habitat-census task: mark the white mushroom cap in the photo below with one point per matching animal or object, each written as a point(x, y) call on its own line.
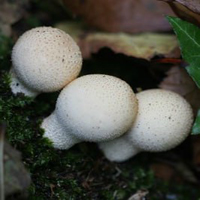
point(163, 121)
point(45, 59)
point(95, 108)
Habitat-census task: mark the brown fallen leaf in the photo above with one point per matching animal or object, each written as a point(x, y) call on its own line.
point(196, 150)
point(17, 179)
point(145, 45)
point(179, 81)
point(2, 135)
point(173, 171)
point(186, 10)
point(139, 195)
point(193, 5)
point(163, 171)
point(122, 16)
point(11, 12)
point(13, 176)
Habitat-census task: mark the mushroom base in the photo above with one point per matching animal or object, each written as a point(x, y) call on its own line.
point(57, 134)
point(119, 149)
point(18, 87)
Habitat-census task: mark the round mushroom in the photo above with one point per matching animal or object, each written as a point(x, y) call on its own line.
point(163, 121)
point(44, 59)
point(91, 108)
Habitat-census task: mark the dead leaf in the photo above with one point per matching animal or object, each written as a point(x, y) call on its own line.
point(196, 150)
point(145, 45)
point(122, 16)
point(2, 135)
point(163, 171)
point(17, 179)
point(186, 172)
point(186, 10)
point(139, 195)
point(193, 5)
point(179, 81)
point(11, 12)
point(174, 171)
point(13, 176)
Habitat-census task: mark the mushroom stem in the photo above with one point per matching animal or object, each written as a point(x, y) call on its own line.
point(119, 149)
point(52, 127)
point(18, 87)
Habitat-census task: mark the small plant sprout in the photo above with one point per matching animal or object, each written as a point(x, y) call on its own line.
point(44, 59)
point(163, 121)
point(92, 108)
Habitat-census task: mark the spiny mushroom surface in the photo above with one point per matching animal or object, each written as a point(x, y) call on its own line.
point(91, 108)
point(163, 121)
point(44, 59)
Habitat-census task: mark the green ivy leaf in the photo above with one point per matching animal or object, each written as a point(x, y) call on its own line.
point(196, 126)
point(194, 72)
point(189, 40)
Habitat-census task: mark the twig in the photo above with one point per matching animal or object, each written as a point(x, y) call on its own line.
point(2, 133)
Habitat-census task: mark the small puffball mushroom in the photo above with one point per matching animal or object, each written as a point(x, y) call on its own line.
point(91, 108)
point(118, 150)
point(163, 121)
point(44, 59)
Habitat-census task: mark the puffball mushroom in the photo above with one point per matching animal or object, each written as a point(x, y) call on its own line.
point(91, 108)
point(44, 59)
point(163, 121)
